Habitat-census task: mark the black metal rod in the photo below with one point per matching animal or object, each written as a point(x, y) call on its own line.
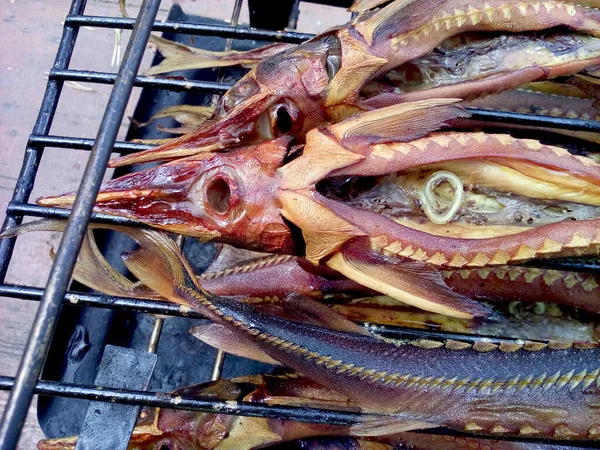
point(60, 274)
point(294, 15)
point(101, 301)
point(249, 409)
point(83, 143)
point(89, 76)
point(27, 209)
point(42, 126)
point(171, 309)
point(535, 120)
point(193, 28)
point(165, 400)
point(220, 88)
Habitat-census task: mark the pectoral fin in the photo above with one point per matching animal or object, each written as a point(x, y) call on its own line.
point(398, 123)
point(412, 282)
point(320, 314)
point(222, 338)
point(91, 269)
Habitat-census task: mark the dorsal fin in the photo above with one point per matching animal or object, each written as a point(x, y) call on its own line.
point(397, 123)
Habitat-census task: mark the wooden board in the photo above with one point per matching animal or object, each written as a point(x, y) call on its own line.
point(32, 30)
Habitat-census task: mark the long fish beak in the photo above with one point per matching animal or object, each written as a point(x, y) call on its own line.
point(237, 127)
point(226, 196)
point(161, 197)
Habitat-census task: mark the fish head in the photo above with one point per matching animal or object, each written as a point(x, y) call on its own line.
point(282, 96)
point(226, 197)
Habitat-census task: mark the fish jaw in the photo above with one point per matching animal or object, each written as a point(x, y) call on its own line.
point(280, 97)
point(224, 197)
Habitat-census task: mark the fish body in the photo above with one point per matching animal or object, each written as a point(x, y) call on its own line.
point(516, 389)
point(386, 198)
point(320, 81)
point(194, 430)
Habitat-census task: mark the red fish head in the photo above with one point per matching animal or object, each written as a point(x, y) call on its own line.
point(227, 197)
point(282, 96)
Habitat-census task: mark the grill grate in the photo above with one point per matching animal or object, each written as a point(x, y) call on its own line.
point(27, 382)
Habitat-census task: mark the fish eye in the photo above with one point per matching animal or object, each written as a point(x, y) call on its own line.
point(283, 120)
point(243, 90)
point(279, 120)
point(333, 62)
point(218, 195)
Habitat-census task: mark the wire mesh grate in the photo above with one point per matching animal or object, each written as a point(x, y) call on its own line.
point(27, 381)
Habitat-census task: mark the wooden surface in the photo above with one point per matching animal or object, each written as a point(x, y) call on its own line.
point(29, 39)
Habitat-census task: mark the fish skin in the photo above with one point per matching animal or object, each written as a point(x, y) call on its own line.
point(530, 386)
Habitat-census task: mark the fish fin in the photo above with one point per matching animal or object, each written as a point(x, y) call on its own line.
point(324, 231)
point(95, 272)
point(381, 425)
point(91, 269)
point(248, 433)
point(398, 123)
point(413, 282)
point(365, 5)
point(220, 337)
point(177, 56)
point(36, 225)
point(220, 389)
point(320, 314)
point(187, 115)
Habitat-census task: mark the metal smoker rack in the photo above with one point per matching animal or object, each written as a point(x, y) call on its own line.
point(27, 381)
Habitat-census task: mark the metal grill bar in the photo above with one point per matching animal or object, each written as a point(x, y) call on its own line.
point(60, 274)
point(89, 76)
point(279, 412)
point(83, 143)
point(19, 207)
point(169, 309)
point(224, 31)
point(535, 120)
point(27, 209)
point(42, 126)
point(163, 400)
point(220, 88)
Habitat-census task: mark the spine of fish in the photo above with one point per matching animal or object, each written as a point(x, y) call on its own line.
point(277, 276)
point(512, 389)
